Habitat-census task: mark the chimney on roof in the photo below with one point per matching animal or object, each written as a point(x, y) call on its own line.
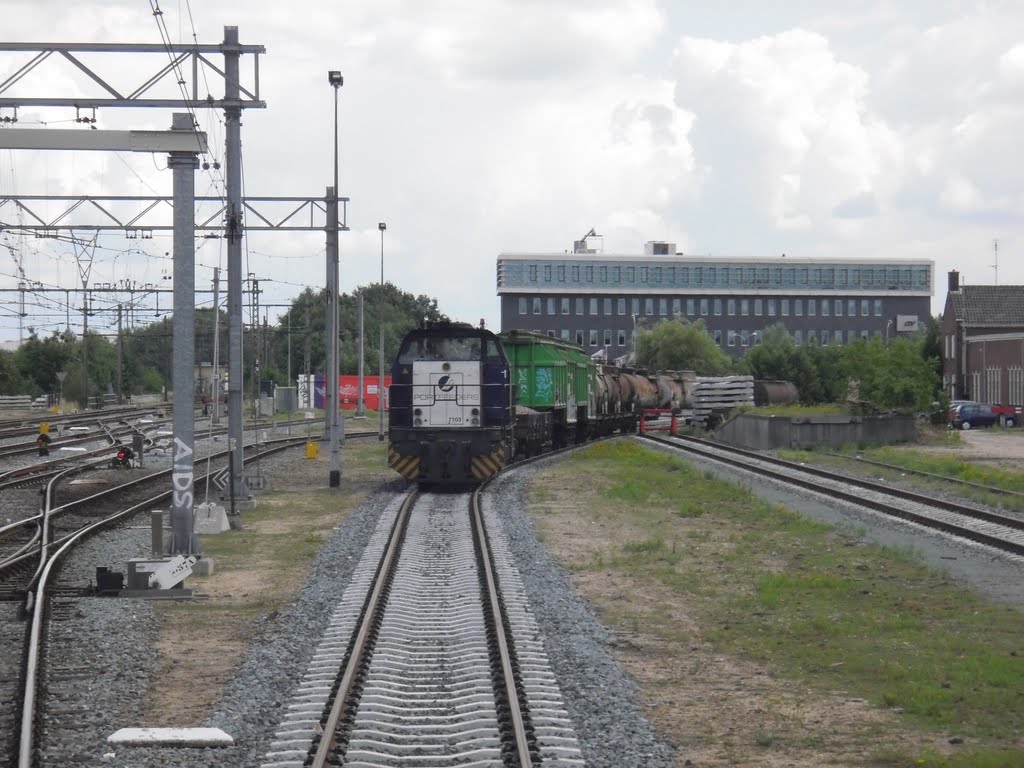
point(954, 281)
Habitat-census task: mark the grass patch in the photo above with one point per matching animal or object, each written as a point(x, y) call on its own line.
point(810, 602)
point(936, 464)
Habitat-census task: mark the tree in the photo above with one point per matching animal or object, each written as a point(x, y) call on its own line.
point(892, 376)
point(675, 345)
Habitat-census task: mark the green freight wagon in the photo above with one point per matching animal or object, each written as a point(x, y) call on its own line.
point(551, 377)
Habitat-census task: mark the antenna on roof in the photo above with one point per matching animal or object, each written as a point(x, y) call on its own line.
point(995, 266)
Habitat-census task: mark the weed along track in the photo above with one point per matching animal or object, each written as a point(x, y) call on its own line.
point(431, 652)
point(991, 529)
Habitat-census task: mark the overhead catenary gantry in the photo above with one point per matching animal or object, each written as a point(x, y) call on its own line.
point(228, 219)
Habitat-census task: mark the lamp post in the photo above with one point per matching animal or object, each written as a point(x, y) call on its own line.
point(888, 325)
point(331, 385)
point(636, 357)
point(380, 386)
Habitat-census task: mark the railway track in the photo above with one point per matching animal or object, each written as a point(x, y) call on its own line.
point(35, 585)
point(991, 529)
point(432, 655)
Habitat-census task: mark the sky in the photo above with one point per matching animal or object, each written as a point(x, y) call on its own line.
point(881, 128)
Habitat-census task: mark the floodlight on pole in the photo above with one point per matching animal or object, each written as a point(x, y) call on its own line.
point(380, 384)
point(331, 385)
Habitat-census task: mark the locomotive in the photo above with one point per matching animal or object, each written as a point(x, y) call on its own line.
point(464, 401)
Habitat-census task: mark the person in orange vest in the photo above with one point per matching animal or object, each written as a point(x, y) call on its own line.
point(43, 443)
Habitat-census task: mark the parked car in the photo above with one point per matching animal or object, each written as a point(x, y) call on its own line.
point(970, 415)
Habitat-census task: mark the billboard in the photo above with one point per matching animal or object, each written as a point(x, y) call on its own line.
point(311, 392)
point(906, 323)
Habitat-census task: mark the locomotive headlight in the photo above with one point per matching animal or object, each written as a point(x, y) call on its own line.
point(476, 421)
point(475, 411)
point(417, 412)
point(417, 422)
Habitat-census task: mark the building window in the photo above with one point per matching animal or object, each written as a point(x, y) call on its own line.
point(579, 338)
point(812, 307)
point(607, 306)
point(798, 336)
point(656, 275)
point(878, 307)
point(604, 274)
point(607, 338)
point(691, 310)
point(579, 308)
point(622, 306)
point(565, 305)
point(825, 303)
point(744, 338)
point(812, 336)
point(824, 336)
point(551, 334)
point(561, 273)
point(851, 308)
point(684, 275)
point(622, 338)
point(745, 307)
point(718, 307)
point(630, 274)
point(839, 307)
point(551, 306)
point(617, 275)
point(798, 307)
point(635, 304)
point(547, 273)
point(785, 307)
point(771, 307)
point(677, 307)
point(718, 338)
point(648, 306)
point(662, 307)
point(731, 307)
point(758, 307)
point(704, 307)
point(865, 307)
point(536, 305)
point(565, 334)
point(851, 336)
point(589, 272)
point(731, 338)
point(576, 273)
point(593, 338)
point(523, 305)
point(593, 307)
point(643, 275)
point(533, 273)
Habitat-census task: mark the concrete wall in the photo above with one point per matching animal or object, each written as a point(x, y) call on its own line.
point(759, 432)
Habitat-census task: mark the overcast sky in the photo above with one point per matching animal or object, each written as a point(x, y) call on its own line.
point(887, 129)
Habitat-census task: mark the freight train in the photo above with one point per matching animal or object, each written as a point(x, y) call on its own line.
point(465, 402)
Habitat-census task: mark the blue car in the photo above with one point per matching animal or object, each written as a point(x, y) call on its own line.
point(970, 415)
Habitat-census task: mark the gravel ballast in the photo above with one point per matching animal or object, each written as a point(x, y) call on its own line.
point(119, 634)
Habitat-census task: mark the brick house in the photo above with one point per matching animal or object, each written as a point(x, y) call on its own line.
point(983, 343)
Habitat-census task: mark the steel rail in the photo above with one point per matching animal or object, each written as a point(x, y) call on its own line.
point(26, 740)
point(788, 478)
point(515, 714)
point(930, 475)
point(794, 466)
point(374, 605)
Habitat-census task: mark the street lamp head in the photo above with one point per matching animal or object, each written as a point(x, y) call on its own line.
point(334, 78)
point(382, 226)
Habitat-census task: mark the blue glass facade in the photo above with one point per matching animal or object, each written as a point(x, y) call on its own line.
point(640, 274)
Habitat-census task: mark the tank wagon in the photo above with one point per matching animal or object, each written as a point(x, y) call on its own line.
point(464, 402)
